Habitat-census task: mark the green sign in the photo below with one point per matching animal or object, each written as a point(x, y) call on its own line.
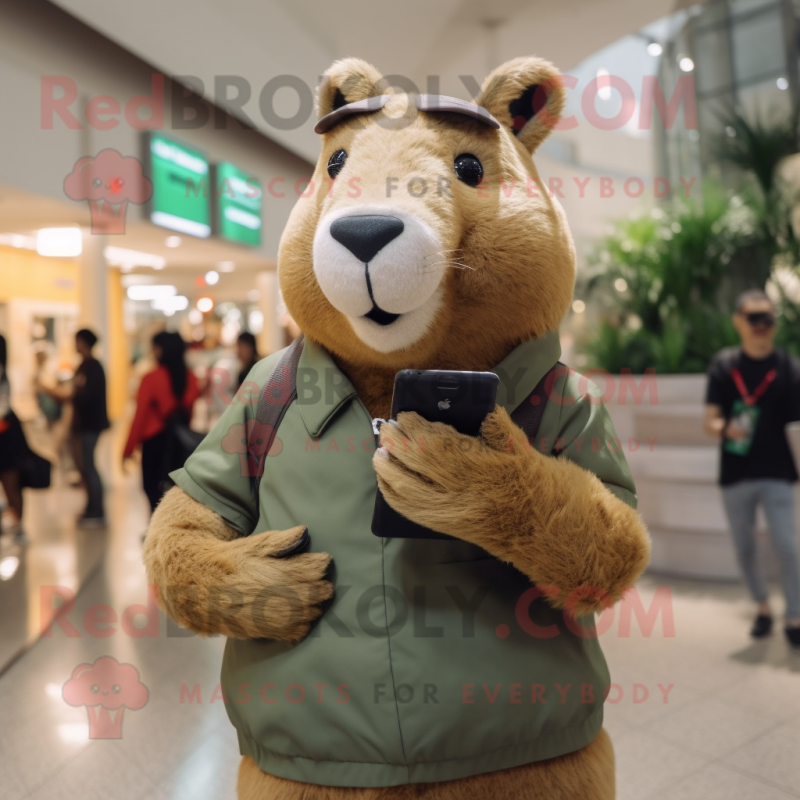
point(180, 186)
point(239, 198)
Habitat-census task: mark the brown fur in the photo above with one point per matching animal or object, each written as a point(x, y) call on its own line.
point(587, 774)
point(517, 504)
point(509, 81)
point(518, 252)
point(511, 279)
point(354, 78)
point(211, 580)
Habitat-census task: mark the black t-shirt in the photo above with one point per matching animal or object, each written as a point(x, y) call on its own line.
point(769, 455)
point(89, 401)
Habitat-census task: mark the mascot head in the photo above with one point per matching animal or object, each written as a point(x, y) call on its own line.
point(426, 238)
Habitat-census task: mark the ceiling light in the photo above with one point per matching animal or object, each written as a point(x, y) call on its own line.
point(654, 49)
point(169, 305)
point(579, 306)
point(782, 83)
point(205, 304)
point(173, 241)
point(63, 242)
point(212, 277)
point(8, 567)
point(18, 240)
point(686, 64)
point(150, 292)
point(134, 280)
point(128, 259)
point(195, 316)
point(603, 84)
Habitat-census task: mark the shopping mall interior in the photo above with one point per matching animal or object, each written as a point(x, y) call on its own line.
point(161, 189)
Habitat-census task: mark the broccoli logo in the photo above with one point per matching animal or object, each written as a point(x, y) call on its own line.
point(106, 688)
point(265, 442)
point(109, 181)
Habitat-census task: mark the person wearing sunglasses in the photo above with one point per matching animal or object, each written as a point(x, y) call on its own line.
point(753, 392)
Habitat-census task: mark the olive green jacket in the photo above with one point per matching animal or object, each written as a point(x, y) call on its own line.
point(420, 669)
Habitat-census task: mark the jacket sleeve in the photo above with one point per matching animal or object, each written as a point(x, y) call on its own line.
point(144, 400)
point(217, 474)
point(588, 438)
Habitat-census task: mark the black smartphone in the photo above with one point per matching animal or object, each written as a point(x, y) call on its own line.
point(460, 399)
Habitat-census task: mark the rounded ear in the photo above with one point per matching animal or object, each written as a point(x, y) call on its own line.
point(526, 96)
point(346, 81)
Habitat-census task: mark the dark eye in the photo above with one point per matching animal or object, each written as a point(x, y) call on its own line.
point(116, 688)
point(95, 688)
point(468, 169)
point(97, 182)
point(336, 162)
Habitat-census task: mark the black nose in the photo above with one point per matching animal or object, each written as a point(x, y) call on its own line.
point(367, 234)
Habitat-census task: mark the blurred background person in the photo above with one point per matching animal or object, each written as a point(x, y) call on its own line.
point(164, 404)
point(89, 420)
point(50, 387)
point(87, 395)
point(247, 352)
point(12, 447)
point(51, 408)
point(753, 393)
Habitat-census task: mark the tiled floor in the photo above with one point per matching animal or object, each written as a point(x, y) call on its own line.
point(730, 727)
point(168, 749)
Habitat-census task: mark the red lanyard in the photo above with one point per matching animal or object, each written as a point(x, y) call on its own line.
point(752, 399)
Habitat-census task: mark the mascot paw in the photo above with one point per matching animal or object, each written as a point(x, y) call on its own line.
point(448, 481)
point(273, 593)
point(258, 588)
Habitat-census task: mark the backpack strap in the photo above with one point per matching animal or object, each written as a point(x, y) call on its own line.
point(279, 392)
point(528, 414)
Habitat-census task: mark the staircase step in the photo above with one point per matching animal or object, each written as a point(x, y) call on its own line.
point(693, 554)
point(680, 424)
point(675, 462)
point(705, 555)
point(686, 505)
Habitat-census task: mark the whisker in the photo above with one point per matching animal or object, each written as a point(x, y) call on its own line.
point(455, 264)
point(442, 252)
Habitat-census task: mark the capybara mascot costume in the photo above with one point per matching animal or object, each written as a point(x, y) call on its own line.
point(363, 667)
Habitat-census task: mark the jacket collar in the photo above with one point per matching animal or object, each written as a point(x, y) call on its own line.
point(323, 389)
point(522, 369)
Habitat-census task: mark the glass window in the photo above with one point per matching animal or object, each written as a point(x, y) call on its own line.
point(758, 46)
point(711, 13)
point(765, 102)
point(712, 117)
point(712, 54)
point(743, 6)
